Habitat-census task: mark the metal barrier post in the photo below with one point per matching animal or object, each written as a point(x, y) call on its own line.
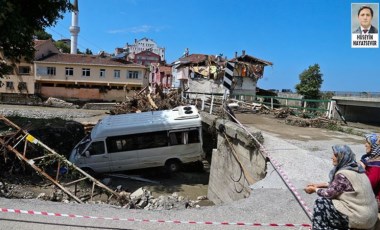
point(212, 103)
point(271, 102)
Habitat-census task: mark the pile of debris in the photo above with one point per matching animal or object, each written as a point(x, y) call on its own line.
point(143, 199)
point(145, 101)
point(319, 122)
point(139, 199)
point(282, 113)
point(55, 102)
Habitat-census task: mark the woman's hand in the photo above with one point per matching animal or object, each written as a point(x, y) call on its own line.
point(310, 189)
point(319, 185)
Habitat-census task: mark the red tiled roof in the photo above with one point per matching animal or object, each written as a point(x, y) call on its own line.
point(39, 42)
point(197, 58)
point(87, 59)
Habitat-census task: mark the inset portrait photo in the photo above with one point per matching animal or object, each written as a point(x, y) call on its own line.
point(364, 25)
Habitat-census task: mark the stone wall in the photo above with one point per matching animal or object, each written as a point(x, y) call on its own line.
point(19, 99)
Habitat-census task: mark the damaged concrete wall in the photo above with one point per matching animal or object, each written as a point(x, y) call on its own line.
point(236, 163)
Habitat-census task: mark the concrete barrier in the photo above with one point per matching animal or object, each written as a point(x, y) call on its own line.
point(236, 163)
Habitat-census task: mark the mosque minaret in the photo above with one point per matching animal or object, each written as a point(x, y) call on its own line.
point(74, 28)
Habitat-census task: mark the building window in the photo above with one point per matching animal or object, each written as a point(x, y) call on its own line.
point(24, 69)
point(86, 72)
point(116, 73)
point(133, 74)
point(51, 71)
point(69, 71)
point(9, 85)
point(102, 73)
point(22, 86)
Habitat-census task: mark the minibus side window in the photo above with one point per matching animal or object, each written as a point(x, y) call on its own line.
point(193, 136)
point(121, 143)
point(175, 138)
point(152, 140)
point(96, 148)
point(184, 137)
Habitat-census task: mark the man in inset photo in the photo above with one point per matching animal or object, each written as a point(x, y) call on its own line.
point(365, 15)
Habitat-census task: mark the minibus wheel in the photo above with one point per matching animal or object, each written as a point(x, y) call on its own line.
point(173, 165)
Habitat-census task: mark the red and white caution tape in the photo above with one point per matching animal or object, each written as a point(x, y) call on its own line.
point(277, 167)
point(30, 212)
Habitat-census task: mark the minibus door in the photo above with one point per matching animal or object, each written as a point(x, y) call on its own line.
point(97, 158)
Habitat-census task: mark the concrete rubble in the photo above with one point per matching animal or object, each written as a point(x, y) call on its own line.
point(139, 199)
point(143, 199)
point(55, 102)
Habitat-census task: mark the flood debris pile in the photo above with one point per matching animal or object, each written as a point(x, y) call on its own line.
point(143, 199)
point(145, 100)
point(55, 102)
point(139, 199)
point(318, 122)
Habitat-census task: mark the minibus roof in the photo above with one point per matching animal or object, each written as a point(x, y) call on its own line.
point(178, 118)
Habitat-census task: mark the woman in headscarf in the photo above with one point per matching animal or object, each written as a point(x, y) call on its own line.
point(347, 201)
point(371, 163)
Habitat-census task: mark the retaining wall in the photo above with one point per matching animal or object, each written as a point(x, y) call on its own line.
point(236, 163)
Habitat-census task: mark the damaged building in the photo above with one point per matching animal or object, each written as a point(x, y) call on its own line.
point(204, 73)
point(248, 70)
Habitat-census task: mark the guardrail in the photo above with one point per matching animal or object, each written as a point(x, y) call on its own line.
point(324, 106)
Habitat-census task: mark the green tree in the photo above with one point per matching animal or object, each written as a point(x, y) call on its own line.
point(62, 46)
point(310, 84)
point(88, 51)
point(42, 35)
point(19, 20)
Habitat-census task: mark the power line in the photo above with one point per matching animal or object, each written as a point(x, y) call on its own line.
point(81, 37)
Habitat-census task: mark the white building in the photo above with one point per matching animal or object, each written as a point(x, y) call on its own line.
point(142, 45)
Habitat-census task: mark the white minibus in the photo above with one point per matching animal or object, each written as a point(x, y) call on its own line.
point(142, 140)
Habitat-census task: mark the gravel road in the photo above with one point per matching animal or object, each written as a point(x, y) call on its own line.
point(302, 153)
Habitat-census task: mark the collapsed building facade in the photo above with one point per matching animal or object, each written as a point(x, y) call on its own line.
point(191, 69)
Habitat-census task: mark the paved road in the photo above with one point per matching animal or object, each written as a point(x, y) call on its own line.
point(302, 153)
